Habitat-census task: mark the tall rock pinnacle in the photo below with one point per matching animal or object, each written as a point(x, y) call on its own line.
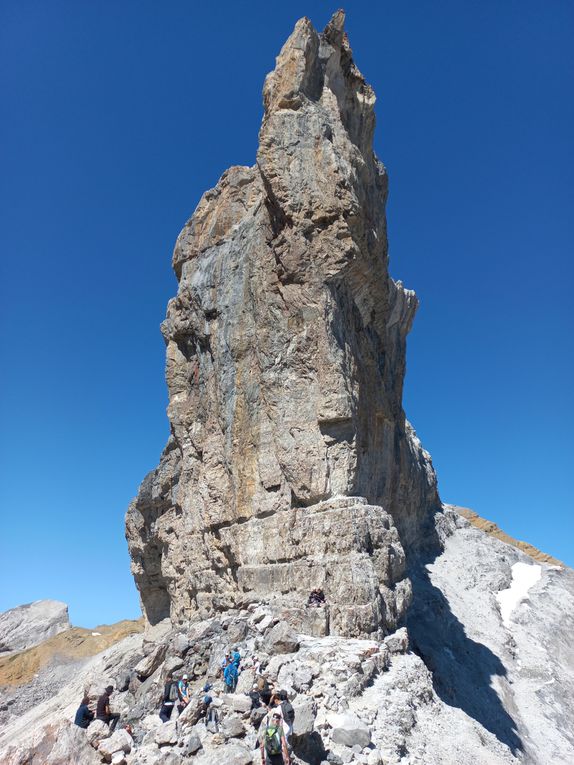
point(290, 463)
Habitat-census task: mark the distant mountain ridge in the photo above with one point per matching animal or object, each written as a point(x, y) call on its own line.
point(489, 527)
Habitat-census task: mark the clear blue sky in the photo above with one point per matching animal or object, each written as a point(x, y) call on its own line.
point(118, 115)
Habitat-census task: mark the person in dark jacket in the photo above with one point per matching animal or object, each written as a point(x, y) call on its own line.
point(84, 715)
point(103, 709)
point(168, 703)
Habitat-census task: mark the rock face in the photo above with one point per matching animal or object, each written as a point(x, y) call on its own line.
point(466, 682)
point(28, 625)
point(290, 463)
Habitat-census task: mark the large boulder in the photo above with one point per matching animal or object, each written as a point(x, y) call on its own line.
point(305, 713)
point(119, 741)
point(97, 730)
point(231, 754)
point(166, 735)
point(148, 665)
point(72, 748)
point(349, 730)
point(239, 702)
point(281, 639)
point(232, 727)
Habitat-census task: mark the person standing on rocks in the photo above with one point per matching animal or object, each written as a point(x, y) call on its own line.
point(184, 693)
point(170, 696)
point(273, 744)
point(84, 715)
point(103, 711)
point(230, 675)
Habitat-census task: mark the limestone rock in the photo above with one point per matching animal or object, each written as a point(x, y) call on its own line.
point(281, 639)
point(237, 701)
point(120, 740)
point(232, 727)
point(291, 464)
point(97, 731)
point(148, 665)
point(348, 730)
point(245, 681)
point(191, 744)
point(305, 713)
point(398, 642)
point(72, 748)
point(166, 734)
point(233, 754)
point(26, 626)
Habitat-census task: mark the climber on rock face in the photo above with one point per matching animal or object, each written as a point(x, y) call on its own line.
point(103, 709)
point(316, 598)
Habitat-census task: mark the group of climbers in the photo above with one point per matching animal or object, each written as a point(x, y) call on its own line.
point(84, 715)
point(271, 712)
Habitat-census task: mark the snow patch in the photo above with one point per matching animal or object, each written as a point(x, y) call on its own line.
point(523, 577)
point(96, 633)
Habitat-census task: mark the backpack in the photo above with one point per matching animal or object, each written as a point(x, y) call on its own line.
point(211, 720)
point(272, 740)
point(288, 712)
point(172, 695)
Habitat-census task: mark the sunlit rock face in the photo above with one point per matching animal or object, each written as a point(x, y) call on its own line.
point(290, 463)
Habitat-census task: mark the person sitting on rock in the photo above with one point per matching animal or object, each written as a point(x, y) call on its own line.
point(273, 744)
point(316, 598)
point(184, 693)
point(170, 696)
point(84, 715)
point(103, 709)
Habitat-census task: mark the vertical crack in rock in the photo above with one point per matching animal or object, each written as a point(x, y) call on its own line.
point(290, 463)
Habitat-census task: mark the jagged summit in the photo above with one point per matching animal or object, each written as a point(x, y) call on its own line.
point(290, 463)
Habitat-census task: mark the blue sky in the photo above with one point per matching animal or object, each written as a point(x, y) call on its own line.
point(117, 116)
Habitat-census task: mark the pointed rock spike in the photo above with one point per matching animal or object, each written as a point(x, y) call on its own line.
point(335, 29)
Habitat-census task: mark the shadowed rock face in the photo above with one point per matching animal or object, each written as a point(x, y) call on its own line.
point(285, 367)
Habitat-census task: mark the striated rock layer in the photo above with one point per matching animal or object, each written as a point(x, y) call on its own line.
point(290, 463)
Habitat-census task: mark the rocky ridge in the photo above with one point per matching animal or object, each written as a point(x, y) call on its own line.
point(459, 684)
point(291, 465)
point(30, 624)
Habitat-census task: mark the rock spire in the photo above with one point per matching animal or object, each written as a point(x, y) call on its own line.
point(290, 463)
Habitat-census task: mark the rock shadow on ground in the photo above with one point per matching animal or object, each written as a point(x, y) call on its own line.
point(462, 668)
